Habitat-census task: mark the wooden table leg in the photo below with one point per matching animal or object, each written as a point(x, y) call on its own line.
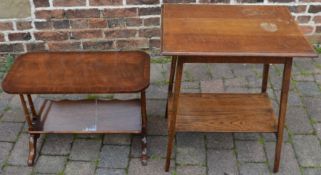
point(35, 115)
point(26, 111)
point(282, 112)
point(144, 129)
point(265, 77)
point(32, 106)
point(32, 148)
point(171, 80)
point(32, 137)
point(172, 120)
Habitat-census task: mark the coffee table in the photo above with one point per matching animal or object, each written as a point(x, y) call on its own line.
point(229, 34)
point(81, 73)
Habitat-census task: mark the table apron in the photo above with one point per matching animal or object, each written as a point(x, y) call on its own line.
point(250, 60)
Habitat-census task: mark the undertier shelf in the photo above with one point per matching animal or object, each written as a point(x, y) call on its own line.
point(224, 113)
point(90, 116)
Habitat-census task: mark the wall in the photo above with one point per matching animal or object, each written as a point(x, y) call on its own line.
point(64, 25)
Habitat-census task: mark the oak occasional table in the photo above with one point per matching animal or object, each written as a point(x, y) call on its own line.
point(81, 72)
point(229, 34)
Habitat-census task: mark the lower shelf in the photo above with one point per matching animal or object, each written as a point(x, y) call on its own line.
point(224, 113)
point(90, 116)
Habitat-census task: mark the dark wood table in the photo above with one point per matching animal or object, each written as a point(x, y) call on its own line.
point(81, 72)
point(229, 34)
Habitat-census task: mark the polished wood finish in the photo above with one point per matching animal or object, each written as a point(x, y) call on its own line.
point(81, 72)
point(231, 30)
point(224, 113)
point(90, 116)
point(282, 112)
point(78, 72)
point(229, 34)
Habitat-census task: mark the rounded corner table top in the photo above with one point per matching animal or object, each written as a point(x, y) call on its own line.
point(231, 30)
point(78, 72)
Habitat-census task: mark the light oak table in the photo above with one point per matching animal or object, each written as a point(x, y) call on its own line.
point(81, 73)
point(229, 34)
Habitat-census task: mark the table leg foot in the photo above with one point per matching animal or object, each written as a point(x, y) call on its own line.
point(144, 157)
point(278, 148)
point(275, 169)
point(169, 150)
point(32, 148)
point(168, 162)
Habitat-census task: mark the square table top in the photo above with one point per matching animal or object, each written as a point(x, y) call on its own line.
point(231, 30)
point(78, 72)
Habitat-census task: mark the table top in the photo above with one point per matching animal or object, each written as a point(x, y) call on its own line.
point(231, 30)
point(78, 72)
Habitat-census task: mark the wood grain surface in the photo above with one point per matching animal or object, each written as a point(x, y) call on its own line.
point(231, 30)
point(78, 72)
point(224, 113)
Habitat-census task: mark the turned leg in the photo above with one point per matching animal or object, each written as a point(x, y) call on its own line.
point(31, 123)
point(32, 107)
point(144, 129)
point(32, 148)
point(26, 111)
point(171, 81)
point(172, 120)
point(282, 112)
